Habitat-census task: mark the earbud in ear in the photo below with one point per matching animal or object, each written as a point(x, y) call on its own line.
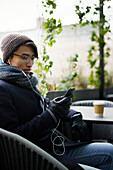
point(9, 62)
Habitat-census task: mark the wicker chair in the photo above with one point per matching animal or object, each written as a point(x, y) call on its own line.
point(17, 153)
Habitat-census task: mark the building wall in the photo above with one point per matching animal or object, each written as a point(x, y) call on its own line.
point(70, 42)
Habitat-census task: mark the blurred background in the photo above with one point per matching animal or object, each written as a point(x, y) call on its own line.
point(27, 16)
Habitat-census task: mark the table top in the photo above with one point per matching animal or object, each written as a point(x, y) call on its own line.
point(89, 114)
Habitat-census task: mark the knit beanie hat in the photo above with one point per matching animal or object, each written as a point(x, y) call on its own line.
point(12, 42)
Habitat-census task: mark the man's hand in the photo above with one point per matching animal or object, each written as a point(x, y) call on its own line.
point(60, 105)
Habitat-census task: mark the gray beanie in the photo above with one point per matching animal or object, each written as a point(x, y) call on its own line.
point(12, 42)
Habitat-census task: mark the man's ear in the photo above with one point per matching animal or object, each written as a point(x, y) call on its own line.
point(8, 62)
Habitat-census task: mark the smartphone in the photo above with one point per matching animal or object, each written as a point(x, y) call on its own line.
point(70, 91)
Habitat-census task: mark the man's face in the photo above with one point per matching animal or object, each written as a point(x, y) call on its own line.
point(23, 58)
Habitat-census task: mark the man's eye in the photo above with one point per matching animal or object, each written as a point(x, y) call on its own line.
point(32, 58)
point(25, 57)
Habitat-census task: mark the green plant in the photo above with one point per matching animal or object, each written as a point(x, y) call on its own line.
point(52, 27)
point(69, 81)
point(43, 67)
point(97, 52)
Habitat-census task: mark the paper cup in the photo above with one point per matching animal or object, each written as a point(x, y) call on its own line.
point(99, 108)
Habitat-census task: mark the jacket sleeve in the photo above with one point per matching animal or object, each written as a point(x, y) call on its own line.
point(36, 128)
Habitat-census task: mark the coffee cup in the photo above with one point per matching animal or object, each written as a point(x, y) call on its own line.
point(99, 108)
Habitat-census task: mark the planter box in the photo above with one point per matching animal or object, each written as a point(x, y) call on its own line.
point(83, 94)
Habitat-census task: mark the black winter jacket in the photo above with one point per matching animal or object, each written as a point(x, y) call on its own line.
point(21, 113)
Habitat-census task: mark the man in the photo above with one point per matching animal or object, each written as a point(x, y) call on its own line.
point(24, 111)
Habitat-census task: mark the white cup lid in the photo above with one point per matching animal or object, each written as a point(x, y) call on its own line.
point(98, 103)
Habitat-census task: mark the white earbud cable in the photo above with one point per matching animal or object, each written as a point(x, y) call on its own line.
point(57, 141)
